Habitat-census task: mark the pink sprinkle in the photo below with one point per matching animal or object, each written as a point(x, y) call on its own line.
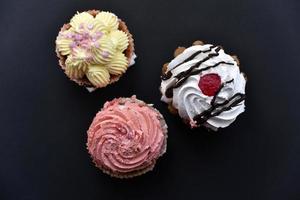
point(86, 35)
point(99, 34)
point(105, 54)
point(69, 35)
point(73, 45)
point(90, 26)
point(78, 37)
point(81, 26)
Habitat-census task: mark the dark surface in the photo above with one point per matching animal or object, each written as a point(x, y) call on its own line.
point(44, 116)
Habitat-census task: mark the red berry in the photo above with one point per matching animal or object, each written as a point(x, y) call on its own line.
point(210, 84)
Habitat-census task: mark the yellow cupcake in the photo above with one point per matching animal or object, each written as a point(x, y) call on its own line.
point(91, 46)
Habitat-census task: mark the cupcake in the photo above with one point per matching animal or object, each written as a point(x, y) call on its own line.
point(95, 49)
point(127, 137)
point(204, 86)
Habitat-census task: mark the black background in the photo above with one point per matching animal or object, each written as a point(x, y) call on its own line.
point(44, 116)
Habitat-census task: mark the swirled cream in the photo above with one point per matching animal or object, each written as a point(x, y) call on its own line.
point(205, 85)
point(126, 137)
point(94, 48)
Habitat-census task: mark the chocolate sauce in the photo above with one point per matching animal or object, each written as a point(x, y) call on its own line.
point(166, 76)
point(169, 74)
point(213, 110)
point(218, 108)
point(183, 76)
point(219, 90)
point(196, 54)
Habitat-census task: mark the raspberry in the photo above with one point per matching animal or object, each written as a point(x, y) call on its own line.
point(210, 84)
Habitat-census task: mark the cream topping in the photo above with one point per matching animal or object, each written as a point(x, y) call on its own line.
point(188, 98)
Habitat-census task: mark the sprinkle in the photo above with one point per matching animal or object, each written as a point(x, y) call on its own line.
point(73, 45)
point(105, 54)
point(94, 39)
point(99, 34)
point(78, 37)
point(69, 35)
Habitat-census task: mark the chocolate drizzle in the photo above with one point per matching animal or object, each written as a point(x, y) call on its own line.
point(169, 74)
point(166, 76)
point(184, 75)
point(217, 108)
point(196, 54)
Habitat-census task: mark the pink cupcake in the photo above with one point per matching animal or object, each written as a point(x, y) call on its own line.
point(127, 137)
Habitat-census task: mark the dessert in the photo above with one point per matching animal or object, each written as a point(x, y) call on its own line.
point(127, 137)
point(204, 86)
point(95, 48)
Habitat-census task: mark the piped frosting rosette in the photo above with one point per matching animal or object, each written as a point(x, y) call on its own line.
point(204, 86)
point(127, 137)
point(95, 48)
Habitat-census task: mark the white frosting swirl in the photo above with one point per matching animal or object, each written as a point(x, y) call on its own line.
point(188, 98)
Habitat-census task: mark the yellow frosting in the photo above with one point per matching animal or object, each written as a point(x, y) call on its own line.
point(109, 20)
point(80, 18)
point(63, 42)
point(94, 47)
point(98, 75)
point(103, 50)
point(120, 40)
point(79, 59)
point(118, 64)
point(72, 71)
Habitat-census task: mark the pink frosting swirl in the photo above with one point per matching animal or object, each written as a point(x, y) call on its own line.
point(126, 136)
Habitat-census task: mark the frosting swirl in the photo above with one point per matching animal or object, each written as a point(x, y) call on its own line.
point(90, 42)
point(126, 137)
point(181, 86)
point(98, 75)
point(109, 21)
point(120, 40)
point(73, 71)
point(118, 64)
